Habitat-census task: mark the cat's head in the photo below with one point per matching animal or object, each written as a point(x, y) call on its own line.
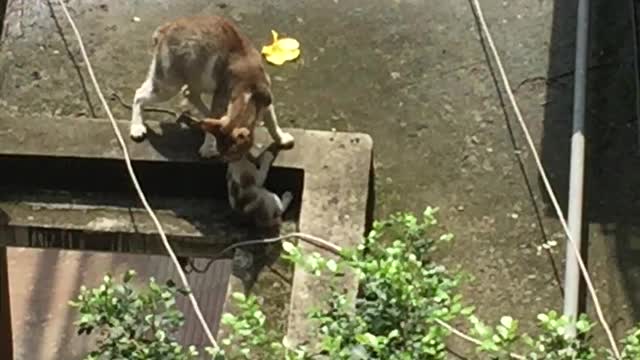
point(232, 142)
point(234, 130)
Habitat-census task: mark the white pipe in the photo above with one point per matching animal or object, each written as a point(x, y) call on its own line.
point(576, 175)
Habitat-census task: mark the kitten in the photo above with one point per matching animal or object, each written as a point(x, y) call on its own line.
point(248, 196)
point(208, 54)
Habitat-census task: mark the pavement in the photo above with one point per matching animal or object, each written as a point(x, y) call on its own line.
point(415, 76)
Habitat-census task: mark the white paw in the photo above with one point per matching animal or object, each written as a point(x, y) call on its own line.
point(242, 259)
point(137, 131)
point(185, 106)
point(287, 197)
point(208, 150)
point(286, 140)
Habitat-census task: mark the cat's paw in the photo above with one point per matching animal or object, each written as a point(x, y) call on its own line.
point(286, 140)
point(137, 131)
point(287, 197)
point(242, 260)
point(208, 151)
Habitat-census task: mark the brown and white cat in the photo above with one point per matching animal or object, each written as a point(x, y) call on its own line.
point(209, 55)
point(248, 196)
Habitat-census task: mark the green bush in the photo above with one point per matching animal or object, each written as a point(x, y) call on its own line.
point(405, 303)
point(132, 324)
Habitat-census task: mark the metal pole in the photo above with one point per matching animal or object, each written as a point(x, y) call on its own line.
point(576, 177)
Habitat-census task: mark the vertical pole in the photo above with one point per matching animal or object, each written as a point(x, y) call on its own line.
point(6, 335)
point(576, 177)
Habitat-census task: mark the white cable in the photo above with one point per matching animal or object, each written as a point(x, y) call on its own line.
point(547, 184)
point(308, 238)
point(134, 179)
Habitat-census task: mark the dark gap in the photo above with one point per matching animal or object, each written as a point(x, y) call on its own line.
point(93, 181)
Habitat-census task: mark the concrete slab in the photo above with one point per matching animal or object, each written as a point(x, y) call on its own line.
point(334, 199)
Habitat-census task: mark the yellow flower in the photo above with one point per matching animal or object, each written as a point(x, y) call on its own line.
point(281, 50)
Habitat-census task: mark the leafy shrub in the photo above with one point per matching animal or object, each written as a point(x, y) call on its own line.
point(405, 303)
point(132, 324)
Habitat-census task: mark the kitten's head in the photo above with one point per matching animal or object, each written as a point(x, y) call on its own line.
point(270, 214)
point(234, 130)
point(232, 143)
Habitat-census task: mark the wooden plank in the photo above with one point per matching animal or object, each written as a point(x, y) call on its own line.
point(6, 334)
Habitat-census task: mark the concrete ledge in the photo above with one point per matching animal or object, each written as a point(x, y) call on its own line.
point(334, 195)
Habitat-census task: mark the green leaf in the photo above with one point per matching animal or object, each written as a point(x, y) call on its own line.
point(367, 339)
point(503, 332)
point(239, 297)
point(160, 335)
point(332, 265)
point(583, 325)
point(468, 310)
point(289, 247)
point(506, 321)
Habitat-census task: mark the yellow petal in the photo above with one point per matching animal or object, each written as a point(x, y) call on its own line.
point(280, 57)
point(268, 49)
point(276, 59)
point(288, 44)
point(281, 50)
point(291, 55)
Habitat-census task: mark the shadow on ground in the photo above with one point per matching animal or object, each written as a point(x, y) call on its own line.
point(612, 177)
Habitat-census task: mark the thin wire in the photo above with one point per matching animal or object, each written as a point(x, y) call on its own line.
point(547, 184)
point(115, 96)
point(311, 239)
point(141, 195)
point(470, 339)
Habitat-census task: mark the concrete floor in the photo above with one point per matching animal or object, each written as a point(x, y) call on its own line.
point(415, 76)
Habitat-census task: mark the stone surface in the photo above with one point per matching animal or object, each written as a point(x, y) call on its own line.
point(415, 76)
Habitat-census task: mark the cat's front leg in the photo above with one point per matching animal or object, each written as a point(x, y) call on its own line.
point(282, 138)
point(209, 148)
